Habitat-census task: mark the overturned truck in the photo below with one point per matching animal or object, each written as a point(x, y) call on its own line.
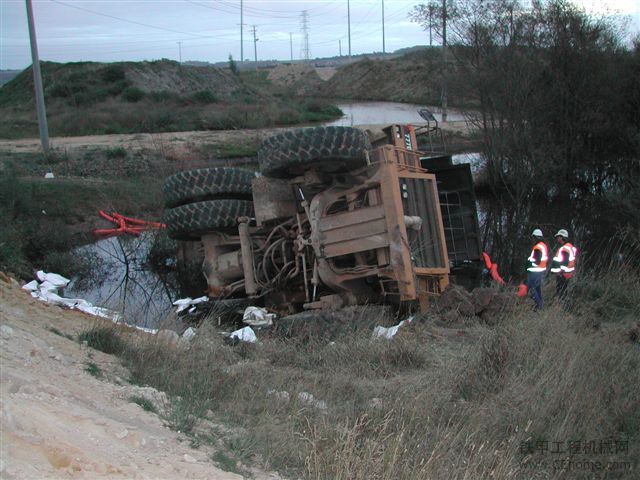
point(331, 221)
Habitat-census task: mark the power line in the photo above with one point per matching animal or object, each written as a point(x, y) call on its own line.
point(132, 21)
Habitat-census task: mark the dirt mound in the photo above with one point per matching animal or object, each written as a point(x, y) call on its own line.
point(412, 78)
point(488, 304)
point(300, 77)
point(90, 82)
point(59, 420)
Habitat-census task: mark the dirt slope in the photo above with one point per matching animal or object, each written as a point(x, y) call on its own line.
point(57, 421)
point(412, 78)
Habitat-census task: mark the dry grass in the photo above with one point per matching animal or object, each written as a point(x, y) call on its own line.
point(418, 406)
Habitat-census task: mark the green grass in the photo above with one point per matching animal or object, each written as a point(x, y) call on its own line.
point(42, 220)
point(93, 369)
point(418, 406)
point(89, 98)
point(59, 333)
point(104, 339)
point(230, 150)
point(146, 404)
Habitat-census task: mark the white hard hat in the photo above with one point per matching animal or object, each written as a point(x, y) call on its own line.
point(562, 233)
point(537, 233)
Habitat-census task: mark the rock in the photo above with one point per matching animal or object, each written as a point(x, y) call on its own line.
point(482, 298)
point(189, 459)
point(6, 331)
point(450, 317)
point(456, 298)
point(168, 337)
point(122, 434)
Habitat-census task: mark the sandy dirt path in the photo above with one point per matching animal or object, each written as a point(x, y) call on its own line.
point(58, 421)
point(172, 143)
point(140, 141)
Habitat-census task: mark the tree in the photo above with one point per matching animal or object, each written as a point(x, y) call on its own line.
point(555, 99)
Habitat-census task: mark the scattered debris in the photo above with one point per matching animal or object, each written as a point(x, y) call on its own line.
point(258, 317)
point(245, 334)
point(390, 332)
point(47, 291)
point(309, 399)
point(189, 333)
point(187, 303)
point(282, 395)
point(303, 397)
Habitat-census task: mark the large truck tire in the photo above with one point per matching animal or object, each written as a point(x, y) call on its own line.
point(330, 149)
point(191, 221)
point(206, 184)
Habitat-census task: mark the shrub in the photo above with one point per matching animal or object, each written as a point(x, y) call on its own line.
point(116, 152)
point(112, 73)
point(132, 94)
point(105, 339)
point(204, 96)
point(146, 404)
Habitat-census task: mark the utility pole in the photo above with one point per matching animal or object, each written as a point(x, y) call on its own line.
point(349, 25)
point(241, 31)
point(37, 81)
point(340, 47)
point(383, 46)
point(291, 45)
point(255, 45)
point(180, 51)
point(304, 27)
point(444, 59)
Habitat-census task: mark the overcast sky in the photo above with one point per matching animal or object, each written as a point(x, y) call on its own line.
point(205, 30)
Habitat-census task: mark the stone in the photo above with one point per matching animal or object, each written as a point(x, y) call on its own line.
point(482, 298)
point(6, 331)
point(189, 459)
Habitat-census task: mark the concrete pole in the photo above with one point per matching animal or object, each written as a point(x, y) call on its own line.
point(291, 45)
point(444, 59)
point(349, 25)
point(255, 46)
point(241, 31)
point(383, 46)
point(37, 81)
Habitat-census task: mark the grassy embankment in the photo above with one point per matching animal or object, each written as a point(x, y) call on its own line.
point(91, 98)
point(41, 220)
point(501, 401)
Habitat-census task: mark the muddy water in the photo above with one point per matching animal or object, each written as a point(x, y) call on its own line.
point(379, 113)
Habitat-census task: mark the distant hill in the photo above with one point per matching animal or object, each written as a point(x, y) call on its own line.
point(7, 75)
point(413, 78)
point(88, 98)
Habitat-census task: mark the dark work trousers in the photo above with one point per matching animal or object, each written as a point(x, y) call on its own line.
point(561, 286)
point(534, 283)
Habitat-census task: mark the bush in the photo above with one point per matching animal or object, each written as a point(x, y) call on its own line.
point(112, 73)
point(105, 339)
point(204, 96)
point(132, 94)
point(116, 152)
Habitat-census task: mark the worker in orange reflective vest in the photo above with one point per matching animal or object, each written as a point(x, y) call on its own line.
point(563, 263)
point(536, 267)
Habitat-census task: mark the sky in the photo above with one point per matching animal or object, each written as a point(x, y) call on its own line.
point(207, 30)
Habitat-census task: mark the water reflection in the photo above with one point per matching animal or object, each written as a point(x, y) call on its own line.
point(123, 280)
point(387, 113)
